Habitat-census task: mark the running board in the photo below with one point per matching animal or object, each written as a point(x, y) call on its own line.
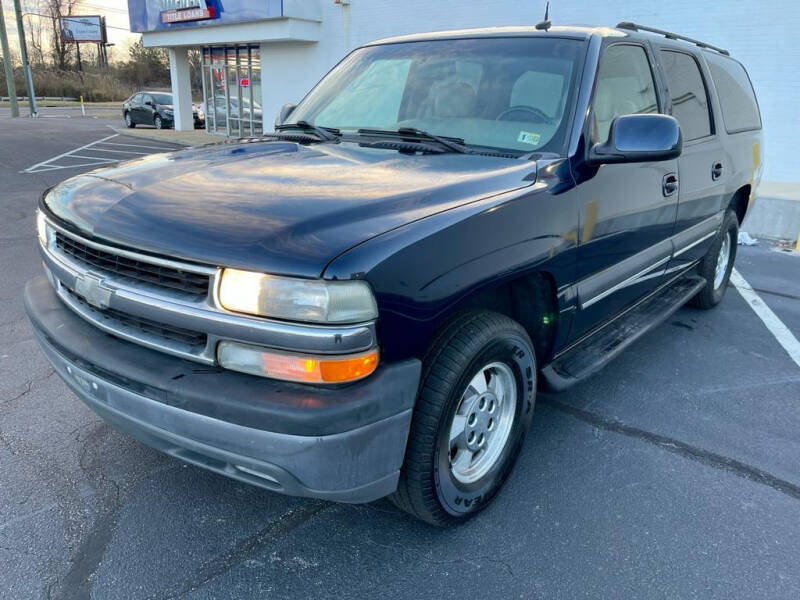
point(594, 352)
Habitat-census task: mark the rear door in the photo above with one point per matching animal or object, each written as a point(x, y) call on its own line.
point(136, 108)
point(702, 167)
point(627, 210)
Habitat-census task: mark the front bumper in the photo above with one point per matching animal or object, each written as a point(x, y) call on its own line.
point(169, 121)
point(344, 444)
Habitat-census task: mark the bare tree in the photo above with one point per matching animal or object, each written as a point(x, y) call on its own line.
point(54, 10)
point(33, 24)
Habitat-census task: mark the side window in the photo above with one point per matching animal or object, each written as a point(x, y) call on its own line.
point(624, 86)
point(688, 93)
point(147, 98)
point(736, 95)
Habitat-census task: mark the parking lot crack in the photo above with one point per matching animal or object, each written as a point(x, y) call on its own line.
point(706, 457)
point(269, 535)
point(28, 386)
point(419, 554)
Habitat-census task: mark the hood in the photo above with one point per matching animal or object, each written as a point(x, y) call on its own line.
point(277, 207)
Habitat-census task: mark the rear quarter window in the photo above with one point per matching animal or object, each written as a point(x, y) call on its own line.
point(736, 95)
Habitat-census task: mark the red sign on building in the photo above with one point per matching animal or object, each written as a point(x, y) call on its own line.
point(187, 14)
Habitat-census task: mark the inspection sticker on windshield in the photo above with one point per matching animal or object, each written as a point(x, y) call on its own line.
point(526, 137)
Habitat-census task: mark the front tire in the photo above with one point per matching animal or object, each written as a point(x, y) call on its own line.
point(475, 406)
point(717, 264)
point(128, 121)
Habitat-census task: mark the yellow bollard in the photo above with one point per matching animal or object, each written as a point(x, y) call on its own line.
point(83, 110)
point(797, 247)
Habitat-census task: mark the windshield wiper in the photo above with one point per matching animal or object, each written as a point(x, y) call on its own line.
point(454, 144)
point(329, 134)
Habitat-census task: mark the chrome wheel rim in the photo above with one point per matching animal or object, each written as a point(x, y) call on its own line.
point(482, 423)
point(127, 119)
point(722, 261)
point(158, 123)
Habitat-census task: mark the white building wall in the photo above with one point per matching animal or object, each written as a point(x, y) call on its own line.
point(762, 35)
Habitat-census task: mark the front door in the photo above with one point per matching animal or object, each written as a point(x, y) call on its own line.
point(627, 210)
point(136, 108)
point(148, 110)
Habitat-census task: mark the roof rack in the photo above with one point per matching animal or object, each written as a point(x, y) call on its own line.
point(670, 35)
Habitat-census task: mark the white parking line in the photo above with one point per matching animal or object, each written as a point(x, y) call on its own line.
point(119, 151)
point(32, 169)
point(98, 158)
point(137, 146)
point(776, 327)
point(110, 155)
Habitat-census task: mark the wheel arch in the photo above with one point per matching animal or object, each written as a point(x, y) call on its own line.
point(740, 201)
point(530, 299)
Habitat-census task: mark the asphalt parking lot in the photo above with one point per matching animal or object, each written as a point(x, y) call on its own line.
point(673, 473)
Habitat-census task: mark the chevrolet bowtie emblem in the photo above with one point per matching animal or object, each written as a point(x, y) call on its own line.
point(90, 287)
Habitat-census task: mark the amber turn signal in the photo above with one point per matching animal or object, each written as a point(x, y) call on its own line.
point(257, 360)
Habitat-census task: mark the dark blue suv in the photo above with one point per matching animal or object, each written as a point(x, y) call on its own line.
point(365, 302)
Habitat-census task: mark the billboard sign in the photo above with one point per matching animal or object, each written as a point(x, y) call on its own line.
point(81, 28)
point(162, 15)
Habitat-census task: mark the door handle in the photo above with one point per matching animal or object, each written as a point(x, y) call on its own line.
point(669, 185)
point(716, 171)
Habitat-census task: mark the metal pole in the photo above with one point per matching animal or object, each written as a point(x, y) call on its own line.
point(12, 88)
point(26, 66)
point(204, 105)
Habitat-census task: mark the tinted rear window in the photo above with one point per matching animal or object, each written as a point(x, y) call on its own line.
point(736, 96)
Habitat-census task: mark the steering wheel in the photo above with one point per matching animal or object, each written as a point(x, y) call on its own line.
point(539, 116)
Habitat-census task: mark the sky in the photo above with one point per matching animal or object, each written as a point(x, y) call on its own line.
point(115, 11)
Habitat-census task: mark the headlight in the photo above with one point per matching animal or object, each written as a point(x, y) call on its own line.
point(41, 227)
point(313, 301)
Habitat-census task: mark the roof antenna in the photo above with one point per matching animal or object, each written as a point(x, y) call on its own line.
point(545, 25)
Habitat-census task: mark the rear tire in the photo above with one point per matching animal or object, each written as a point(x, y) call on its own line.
point(159, 124)
point(722, 254)
point(475, 406)
point(128, 121)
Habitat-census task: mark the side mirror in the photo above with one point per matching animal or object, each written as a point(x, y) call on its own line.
point(284, 113)
point(639, 138)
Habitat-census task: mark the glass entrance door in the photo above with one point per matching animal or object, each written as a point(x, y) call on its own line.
point(232, 88)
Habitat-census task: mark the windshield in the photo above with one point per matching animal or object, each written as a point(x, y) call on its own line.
point(162, 98)
point(508, 93)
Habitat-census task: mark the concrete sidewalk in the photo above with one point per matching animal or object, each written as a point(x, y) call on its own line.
point(776, 212)
point(196, 137)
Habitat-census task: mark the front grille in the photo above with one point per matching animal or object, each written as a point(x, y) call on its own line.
point(192, 340)
point(195, 284)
